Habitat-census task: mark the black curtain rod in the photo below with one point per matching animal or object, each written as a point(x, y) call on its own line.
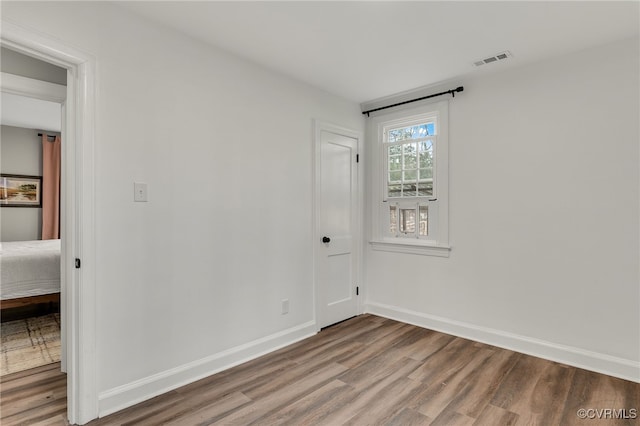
point(452, 92)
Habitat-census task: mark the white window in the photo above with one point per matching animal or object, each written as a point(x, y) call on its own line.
point(412, 171)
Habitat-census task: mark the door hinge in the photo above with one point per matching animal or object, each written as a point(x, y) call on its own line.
point(357, 158)
point(77, 263)
point(357, 291)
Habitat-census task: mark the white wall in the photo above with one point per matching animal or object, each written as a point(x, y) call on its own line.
point(544, 216)
point(20, 154)
point(225, 148)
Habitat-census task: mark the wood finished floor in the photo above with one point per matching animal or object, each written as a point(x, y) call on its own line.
point(365, 371)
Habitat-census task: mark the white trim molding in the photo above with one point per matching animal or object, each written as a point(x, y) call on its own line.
point(408, 247)
point(576, 357)
point(143, 389)
point(31, 88)
point(437, 242)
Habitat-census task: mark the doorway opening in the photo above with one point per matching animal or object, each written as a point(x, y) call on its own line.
point(30, 251)
point(33, 94)
point(76, 210)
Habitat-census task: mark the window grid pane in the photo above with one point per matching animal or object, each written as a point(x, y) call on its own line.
point(412, 132)
point(424, 221)
point(393, 220)
point(410, 164)
point(408, 221)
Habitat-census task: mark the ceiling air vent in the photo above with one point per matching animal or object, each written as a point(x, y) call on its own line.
point(499, 57)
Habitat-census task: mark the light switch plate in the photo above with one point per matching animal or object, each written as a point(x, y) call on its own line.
point(140, 192)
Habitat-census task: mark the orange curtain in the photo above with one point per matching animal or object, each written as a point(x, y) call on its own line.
point(50, 188)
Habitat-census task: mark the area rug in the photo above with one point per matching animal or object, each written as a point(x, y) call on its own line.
point(30, 343)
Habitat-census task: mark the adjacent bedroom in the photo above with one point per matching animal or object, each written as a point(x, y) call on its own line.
point(30, 175)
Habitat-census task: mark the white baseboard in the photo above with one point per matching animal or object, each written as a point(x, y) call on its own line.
point(135, 392)
point(593, 361)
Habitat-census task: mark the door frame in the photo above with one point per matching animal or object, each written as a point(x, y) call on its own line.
point(77, 212)
point(318, 128)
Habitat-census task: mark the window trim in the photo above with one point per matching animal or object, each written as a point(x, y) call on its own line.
point(410, 246)
point(439, 245)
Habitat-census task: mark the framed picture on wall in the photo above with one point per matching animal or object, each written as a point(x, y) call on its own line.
point(20, 191)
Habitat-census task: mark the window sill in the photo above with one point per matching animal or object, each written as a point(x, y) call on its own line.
point(411, 248)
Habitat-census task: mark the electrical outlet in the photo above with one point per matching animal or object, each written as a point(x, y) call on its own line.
point(285, 306)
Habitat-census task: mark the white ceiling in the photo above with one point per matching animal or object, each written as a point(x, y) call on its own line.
point(366, 50)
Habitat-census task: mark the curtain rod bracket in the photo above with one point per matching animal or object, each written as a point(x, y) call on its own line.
point(48, 136)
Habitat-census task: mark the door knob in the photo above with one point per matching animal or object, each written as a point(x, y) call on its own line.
point(326, 239)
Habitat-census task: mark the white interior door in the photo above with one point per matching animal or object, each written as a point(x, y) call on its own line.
point(337, 186)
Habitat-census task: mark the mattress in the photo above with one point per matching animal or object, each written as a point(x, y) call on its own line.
point(29, 268)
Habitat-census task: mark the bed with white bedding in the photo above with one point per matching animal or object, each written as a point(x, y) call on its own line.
point(29, 272)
